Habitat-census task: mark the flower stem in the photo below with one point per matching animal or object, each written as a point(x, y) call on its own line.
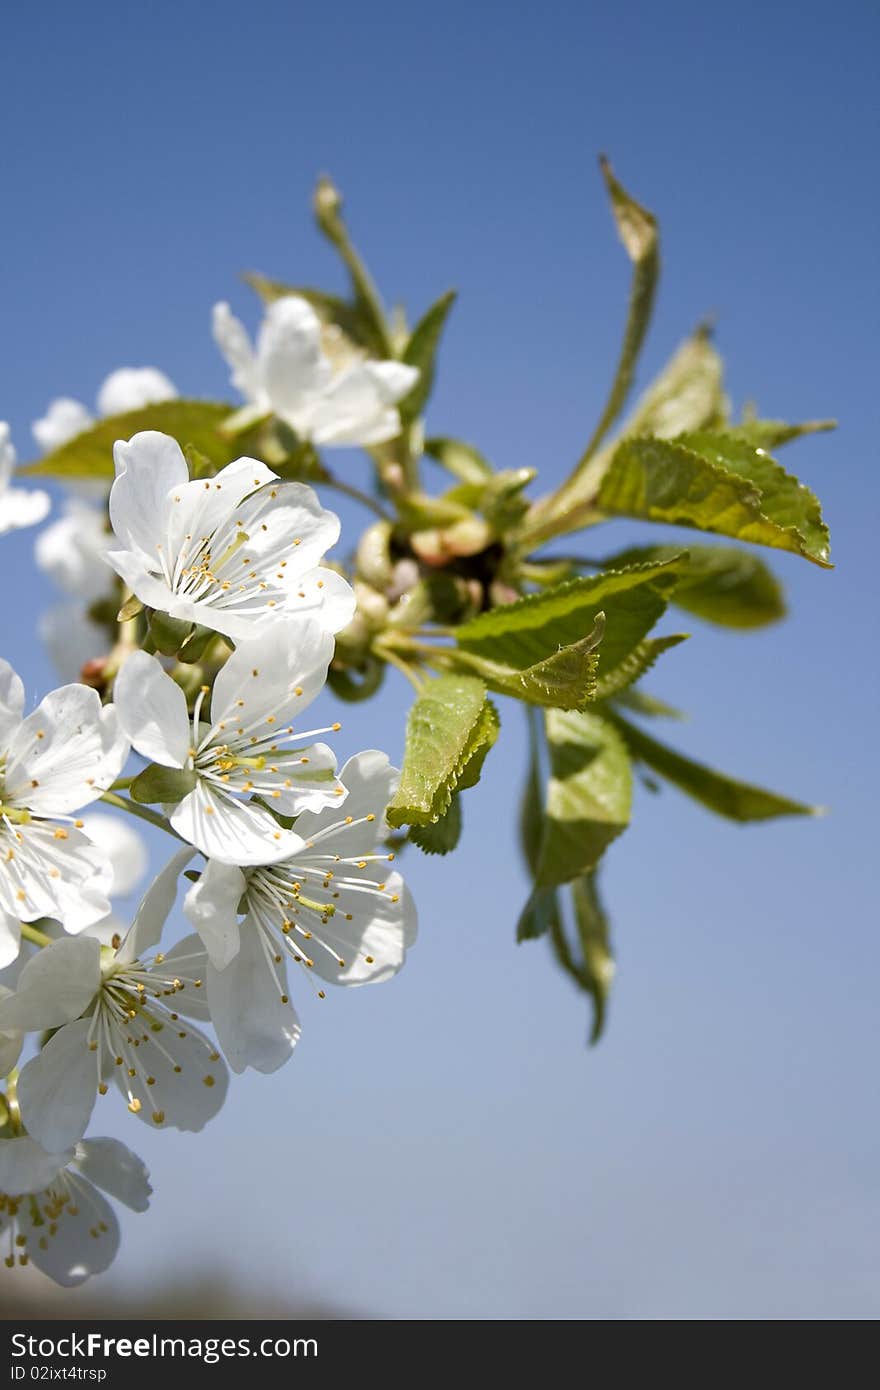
point(398, 662)
point(39, 938)
point(355, 493)
point(134, 808)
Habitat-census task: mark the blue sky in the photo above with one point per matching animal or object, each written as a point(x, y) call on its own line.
point(444, 1146)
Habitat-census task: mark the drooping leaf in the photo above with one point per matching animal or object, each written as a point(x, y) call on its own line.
point(590, 962)
point(531, 807)
point(715, 483)
point(519, 635)
point(722, 584)
point(162, 784)
point(634, 666)
point(90, 454)
point(450, 729)
point(421, 352)
point(462, 460)
point(540, 914)
point(739, 801)
point(443, 835)
point(638, 232)
point(640, 702)
point(589, 794)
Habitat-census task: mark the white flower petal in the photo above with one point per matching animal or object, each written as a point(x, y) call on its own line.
point(11, 702)
point(85, 1239)
point(131, 388)
point(186, 1083)
point(374, 943)
point(11, 1043)
point(55, 987)
point(190, 958)
point(72, 550)
point(26, 1167)
point(55, 873)
point(370, 781)
point(132, 567)
point(64, 420)
point(233, 831)
point(57, 1088)
point(72, 638)
point(65, 754)
point(357, 408)
point(152, 711)
point(113, 1167)
point(232, 339)
point(20, 508)
point(122, 845)
point(155, 906)
point(212, 907)
point(274, 680)
point(10, 937)
point(147, 468)
point(293, 368)
point(255, 1024)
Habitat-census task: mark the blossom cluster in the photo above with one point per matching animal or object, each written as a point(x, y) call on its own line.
point(281, 864)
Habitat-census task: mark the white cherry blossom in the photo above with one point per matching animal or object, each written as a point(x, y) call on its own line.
point(325, 398)
point(71, 638)
point(230, 552)
point(72, 551)
point(334, 908)
point(128, 388)
point(252, 745)
point(53, 1213)
point(120, 1016)
point(58, 759)
point(18, 506)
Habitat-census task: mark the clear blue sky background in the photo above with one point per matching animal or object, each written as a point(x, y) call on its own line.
point(445, 1146)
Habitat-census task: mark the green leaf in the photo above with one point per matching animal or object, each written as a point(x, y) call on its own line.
point(540, 914)
point(565, 680)
point(772, 434)
point(739, 801)
point(634, 666)
point(165, 784)
point(531, 807)
point(443, 835)
point(520, 635)
point(638, 231)
point(721, 584)
point(640, 702)
point(590, 963)
point(688, 394)
point(715, 483)
point(589, 794)
point(451, 727)
point(421, 352)
point(90, 455)
point(461, 460)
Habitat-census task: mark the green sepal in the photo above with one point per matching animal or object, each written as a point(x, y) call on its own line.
point(169, 634)
point(162, 784)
